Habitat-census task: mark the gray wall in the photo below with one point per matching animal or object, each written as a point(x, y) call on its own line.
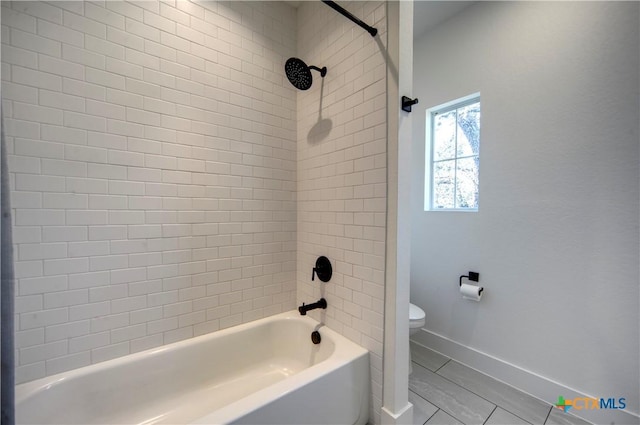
point(556, 236)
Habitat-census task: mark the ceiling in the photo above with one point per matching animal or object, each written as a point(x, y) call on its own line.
point(427, 14)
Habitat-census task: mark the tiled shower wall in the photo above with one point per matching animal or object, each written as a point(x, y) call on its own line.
point(153, 167)
point(342, 136)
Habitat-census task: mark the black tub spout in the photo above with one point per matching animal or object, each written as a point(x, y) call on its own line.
point(322, 303)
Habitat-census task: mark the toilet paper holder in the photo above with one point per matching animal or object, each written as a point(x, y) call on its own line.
point(472, 276)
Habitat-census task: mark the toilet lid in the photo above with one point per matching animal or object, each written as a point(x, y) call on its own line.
point(415, 312)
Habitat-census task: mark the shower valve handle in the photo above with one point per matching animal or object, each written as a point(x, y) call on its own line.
point(322, 269)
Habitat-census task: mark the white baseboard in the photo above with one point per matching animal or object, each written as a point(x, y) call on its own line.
point(531, 383)
point(404, 417)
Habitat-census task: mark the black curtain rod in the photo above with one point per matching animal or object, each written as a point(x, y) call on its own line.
point(347, 14)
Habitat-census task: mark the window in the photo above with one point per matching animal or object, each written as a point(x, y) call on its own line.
point(453, 156)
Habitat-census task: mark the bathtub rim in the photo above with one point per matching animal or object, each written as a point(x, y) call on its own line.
point(345, 351)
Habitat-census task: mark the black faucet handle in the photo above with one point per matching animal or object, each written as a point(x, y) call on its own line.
point(322, 269)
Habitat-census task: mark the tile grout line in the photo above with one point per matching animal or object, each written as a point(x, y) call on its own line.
point(460, 386)
point(443, 365)
point(492, 412)
point(502, 407)
point(548, 414)
point(434, 413)
point(472, 392)
point(550, 406)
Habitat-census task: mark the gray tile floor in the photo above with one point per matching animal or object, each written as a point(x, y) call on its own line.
point(444, 391)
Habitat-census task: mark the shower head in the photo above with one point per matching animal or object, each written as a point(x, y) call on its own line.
point(299, 74)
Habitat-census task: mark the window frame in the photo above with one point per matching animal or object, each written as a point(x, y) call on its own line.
point(429, 154)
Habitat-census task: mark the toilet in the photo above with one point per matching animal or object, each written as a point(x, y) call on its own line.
point(416, 322)
point(416, 318)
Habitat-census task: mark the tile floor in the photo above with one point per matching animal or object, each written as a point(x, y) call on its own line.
point(444, 391)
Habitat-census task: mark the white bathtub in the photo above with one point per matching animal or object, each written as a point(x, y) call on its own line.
point(264, 372)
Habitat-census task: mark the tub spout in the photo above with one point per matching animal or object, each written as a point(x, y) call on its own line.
point(322, 303)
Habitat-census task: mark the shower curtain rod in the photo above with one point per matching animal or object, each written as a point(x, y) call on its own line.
point(371, 30)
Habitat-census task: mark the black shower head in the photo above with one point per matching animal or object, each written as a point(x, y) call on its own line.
point(299, 74)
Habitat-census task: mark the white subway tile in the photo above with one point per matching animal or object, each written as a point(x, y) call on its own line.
point(60, 33)
point(128, 304)
point(64, 233)
point(61, 101)
point(81, 88)
point(104, 109)
point(107, 78)
point(43, 318)
point(113, 321)
point(110, 352)
point(124, 98)
point(60, 67)
point(39, 10)
point(124, 68)
point(84, 249)
point(142, 59)
point(84, 121)
point(102, 202)
point(20, 56)
point(88, 280)
point(108, 262)
point(42, 352)
point(124, 38)
point(128, 275)
point(142, 29)
point(162, 144)
point(159, 22)
point(87, 342)
point(56, 167)
point(34, 43)
point(145, 89)
point(143, 117)
point(36, 113)
point(126, 9)
point(103, 47)
point(34, 78)
point(32, 182)
point(125, 128)
point(126, 217)
point(24, 164)
point(100, 14)
point(81, 185)
point(105, 171)
point(29, 338)
point(66, 298)
point(126, 188)
point(161, 79)
point(107, 232)
point(68, 362)
point(16, 19)
point(128, 333)
point(26, 234)
point(82, 56)
point(86, 217)
point(88, 311)
point(42, 285)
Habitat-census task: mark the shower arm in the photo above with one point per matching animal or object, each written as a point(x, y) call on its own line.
point(322, 71)
point(347, 14)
